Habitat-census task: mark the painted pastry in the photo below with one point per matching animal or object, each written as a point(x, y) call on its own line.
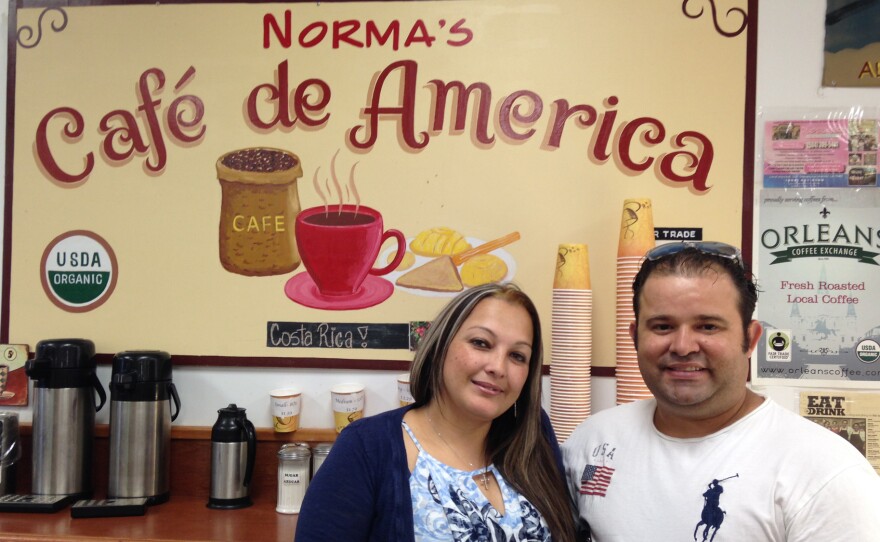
point(439, 241)
point(483, 269)
point(408, 260)
point(438, 275)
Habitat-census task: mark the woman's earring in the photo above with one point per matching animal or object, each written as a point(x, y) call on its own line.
point(514, 409)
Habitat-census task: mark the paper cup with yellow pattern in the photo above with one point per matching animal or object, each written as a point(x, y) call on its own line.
point(572, 267)
point(403, 392)
point(348, 404)
point(636, 228)
point(286, 406)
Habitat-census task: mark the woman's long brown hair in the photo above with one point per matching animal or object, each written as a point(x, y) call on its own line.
point(516, 443)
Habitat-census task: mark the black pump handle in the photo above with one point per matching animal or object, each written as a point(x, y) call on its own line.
point(100, 389)
point(174, 396)
point(36, 368)
point(124, 381)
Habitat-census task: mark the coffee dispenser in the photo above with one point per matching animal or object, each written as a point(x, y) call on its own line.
point(63, 371)
point(141, 393)
point(233, 450)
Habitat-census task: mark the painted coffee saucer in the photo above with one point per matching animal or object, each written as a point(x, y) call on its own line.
point(7, 394)
point(302, 289)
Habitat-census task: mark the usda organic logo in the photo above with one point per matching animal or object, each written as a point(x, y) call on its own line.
point(78, 271)
point(868, 351)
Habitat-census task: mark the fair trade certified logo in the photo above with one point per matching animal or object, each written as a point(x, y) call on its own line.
point(868, 351)
point(778, 345)
point(78, 271)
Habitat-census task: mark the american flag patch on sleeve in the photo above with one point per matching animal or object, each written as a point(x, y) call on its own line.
point(595, 480)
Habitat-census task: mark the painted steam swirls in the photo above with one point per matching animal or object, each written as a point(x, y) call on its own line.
point(731, 14)
point(29, 39)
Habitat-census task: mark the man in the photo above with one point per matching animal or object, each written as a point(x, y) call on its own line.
point(843, 429)
point(858, 437)
point(707, 458)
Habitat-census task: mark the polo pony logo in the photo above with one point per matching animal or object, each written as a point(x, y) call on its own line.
point(712, 515)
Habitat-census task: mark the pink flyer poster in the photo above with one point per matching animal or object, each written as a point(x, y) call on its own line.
point(820, 153)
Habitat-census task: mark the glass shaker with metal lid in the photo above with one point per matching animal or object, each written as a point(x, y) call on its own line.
point(319, 454)
point(293, 476)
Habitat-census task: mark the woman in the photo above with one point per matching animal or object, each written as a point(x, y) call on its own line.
point(474, 458)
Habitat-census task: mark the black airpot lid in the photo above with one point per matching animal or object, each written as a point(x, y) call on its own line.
point(60, 362)
point(143, 365)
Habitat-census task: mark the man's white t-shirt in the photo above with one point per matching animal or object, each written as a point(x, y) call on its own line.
point(771, 476)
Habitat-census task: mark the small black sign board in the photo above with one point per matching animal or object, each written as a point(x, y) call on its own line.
point(678, 234)
point(338, 336)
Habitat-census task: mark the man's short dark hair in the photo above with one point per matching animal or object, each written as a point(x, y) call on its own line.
point(691, 262)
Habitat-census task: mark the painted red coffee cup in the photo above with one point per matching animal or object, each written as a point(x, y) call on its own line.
point(339, 244)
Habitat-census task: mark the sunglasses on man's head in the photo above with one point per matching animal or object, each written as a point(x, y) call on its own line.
point(713, 248)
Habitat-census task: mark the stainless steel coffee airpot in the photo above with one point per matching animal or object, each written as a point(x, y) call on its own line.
point(233, 451)
point(65, 383)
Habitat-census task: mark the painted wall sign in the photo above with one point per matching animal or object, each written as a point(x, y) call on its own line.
point(354, 161)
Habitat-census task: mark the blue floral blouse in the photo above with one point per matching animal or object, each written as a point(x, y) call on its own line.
point(448, 505)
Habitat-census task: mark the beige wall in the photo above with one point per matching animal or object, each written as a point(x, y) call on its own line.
point(789, 73)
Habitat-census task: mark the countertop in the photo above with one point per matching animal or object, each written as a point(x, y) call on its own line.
point(182, 518)
point(185, 516)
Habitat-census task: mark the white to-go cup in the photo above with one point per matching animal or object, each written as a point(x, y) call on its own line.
point(348, 404)
point(403, 393)
point(286, 405)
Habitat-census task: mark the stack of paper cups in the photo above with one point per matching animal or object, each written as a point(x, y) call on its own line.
point(636, 238)
point(571, 340)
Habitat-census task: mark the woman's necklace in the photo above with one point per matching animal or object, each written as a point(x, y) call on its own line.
point(484, 478)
